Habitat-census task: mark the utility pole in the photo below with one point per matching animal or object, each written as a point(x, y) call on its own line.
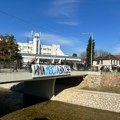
point(91, 50)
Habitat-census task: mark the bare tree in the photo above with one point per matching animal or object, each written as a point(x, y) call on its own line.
point(100, 53)
point(83, 56)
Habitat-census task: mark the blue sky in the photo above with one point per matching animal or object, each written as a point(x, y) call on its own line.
point(63, 22)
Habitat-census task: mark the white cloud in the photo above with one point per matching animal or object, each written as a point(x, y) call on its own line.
point(27, 34)
point(55, 39)
point(68, 45)
point(65, 11)
point(71, 23)
point(66, 8)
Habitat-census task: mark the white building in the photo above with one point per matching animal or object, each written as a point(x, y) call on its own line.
point(34, 47)
point(51, 50)
point(106, 61)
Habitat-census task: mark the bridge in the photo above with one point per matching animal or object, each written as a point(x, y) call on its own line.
point(43, 85)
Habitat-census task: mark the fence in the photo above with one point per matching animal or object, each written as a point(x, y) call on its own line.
point(7, 66)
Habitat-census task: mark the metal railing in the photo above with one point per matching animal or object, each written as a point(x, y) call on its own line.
point(8, 66)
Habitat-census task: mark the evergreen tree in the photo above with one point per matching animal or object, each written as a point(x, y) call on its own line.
point(9, 48)
point(90, 52)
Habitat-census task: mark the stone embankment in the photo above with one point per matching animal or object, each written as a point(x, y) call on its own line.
point(99, 100)
point(93, 99)
point(94, 81)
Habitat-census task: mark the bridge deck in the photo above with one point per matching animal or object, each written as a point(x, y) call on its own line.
point(23, 76)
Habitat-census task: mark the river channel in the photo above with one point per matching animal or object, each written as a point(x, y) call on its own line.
point(26, 107)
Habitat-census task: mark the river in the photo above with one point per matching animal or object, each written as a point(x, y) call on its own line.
point(35, 108)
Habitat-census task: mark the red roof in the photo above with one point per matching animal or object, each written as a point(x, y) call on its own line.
point(107, 57)
point(118, 56)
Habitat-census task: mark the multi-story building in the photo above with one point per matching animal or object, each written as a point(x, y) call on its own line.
point(33, 49)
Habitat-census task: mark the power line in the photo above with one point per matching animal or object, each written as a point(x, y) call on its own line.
point(18, 18)
point(25, 21)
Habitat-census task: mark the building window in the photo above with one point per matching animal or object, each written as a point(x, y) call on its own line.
point(98, 62)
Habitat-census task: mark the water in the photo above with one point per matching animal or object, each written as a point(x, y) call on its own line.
point(49, 110)
point(11, 101)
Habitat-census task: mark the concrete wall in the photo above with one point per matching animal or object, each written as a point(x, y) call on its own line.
point(43, 88)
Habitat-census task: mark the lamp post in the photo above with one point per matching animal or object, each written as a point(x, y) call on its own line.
point(91, 34)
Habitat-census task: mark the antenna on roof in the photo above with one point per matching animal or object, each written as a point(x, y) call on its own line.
point(32, 33)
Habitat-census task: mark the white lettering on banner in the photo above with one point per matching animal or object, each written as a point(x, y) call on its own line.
point(50, 70)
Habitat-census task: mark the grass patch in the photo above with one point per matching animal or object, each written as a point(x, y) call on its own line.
point(110, 73)
point(104, 89)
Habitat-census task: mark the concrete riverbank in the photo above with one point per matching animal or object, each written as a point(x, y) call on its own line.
point(93, 99)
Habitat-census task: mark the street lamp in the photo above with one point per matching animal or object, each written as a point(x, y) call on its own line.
point(91, 34)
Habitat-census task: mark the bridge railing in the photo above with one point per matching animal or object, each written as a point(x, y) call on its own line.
point(37, 70)
point(8, 66)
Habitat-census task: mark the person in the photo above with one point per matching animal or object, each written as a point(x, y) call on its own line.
point(15, 66)
point(29, 66)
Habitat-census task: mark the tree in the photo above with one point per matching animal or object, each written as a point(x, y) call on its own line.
point(9, 48)
point(74, 55)
point(83, 56)
point(90, 52)
point(100, 53)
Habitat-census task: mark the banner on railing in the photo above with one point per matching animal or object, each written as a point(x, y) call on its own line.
point(50, 70)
